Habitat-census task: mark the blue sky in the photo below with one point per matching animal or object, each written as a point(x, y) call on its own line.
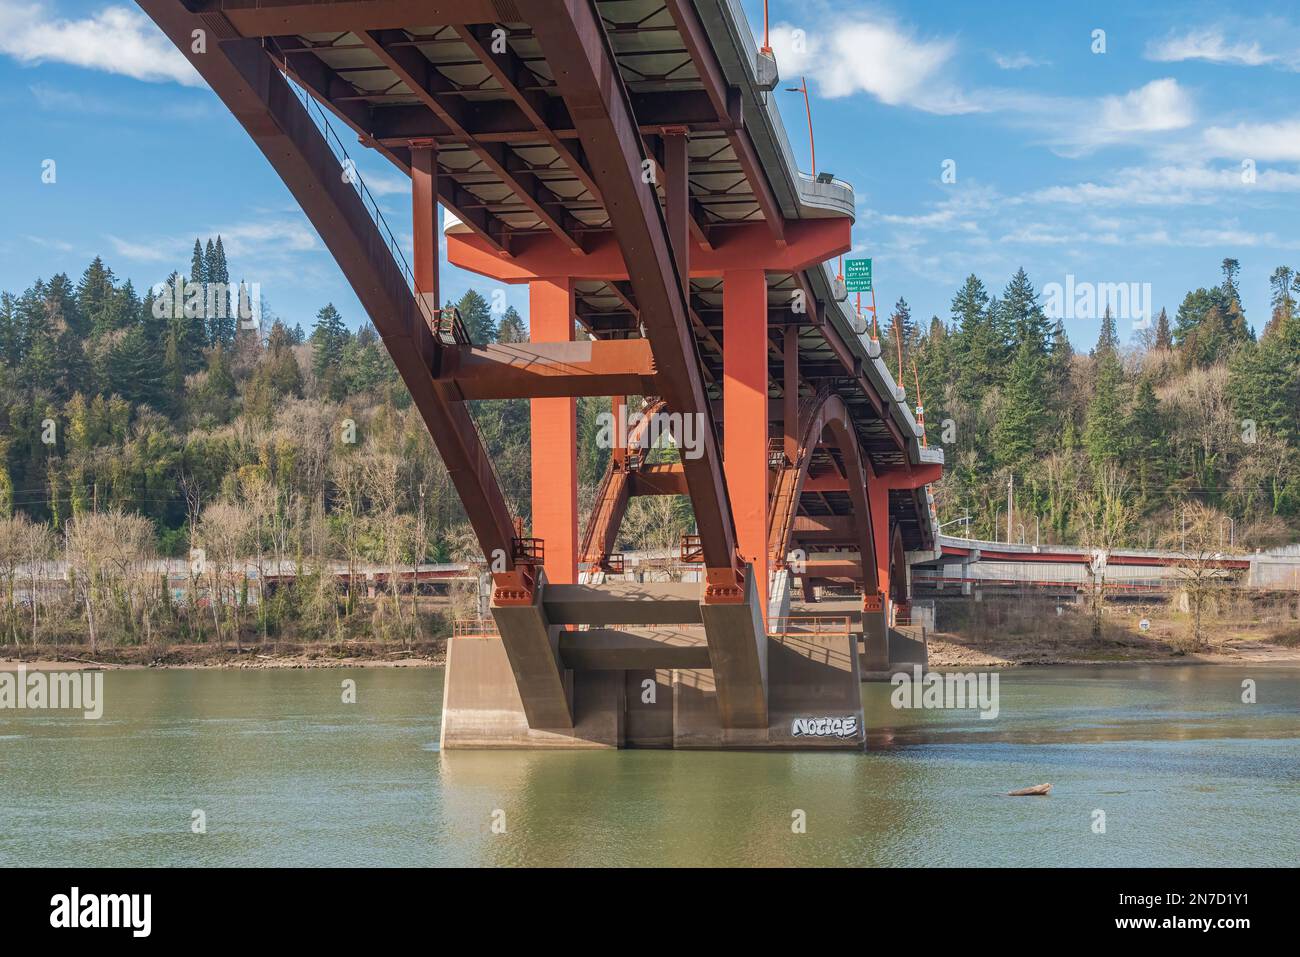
point(1122, 166)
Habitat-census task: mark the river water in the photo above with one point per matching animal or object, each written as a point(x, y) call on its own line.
point(285, 773)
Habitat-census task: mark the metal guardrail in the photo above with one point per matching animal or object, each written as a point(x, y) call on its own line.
point(795, 625)
point(433, 315)
point(474, 628)
point(692, 550)
point(353, 176)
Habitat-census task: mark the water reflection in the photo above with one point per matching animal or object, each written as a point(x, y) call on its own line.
point(288, 774)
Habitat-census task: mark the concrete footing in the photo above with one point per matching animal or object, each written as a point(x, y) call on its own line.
point(887, 654)
point(814, 702)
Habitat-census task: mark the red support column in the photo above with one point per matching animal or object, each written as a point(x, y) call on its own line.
point(744, 414)
point(618, 409)
point(878, 500)
point(677, 197)
point(424, 228)
point(555, 439)
point(790, 387)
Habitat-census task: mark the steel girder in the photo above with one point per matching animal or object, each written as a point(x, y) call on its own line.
point(244, 77)
point(573, 40)
point(820, 414)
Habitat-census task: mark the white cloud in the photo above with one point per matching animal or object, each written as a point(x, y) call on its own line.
point(48, 242)
point(878, 58)
point(256, 240)
point(1257, 141)
point(898, 67)
point(1158, 106)
point(116, 40)
point(383, 184)
point(1208, 44)
point(1017, 61)
point(255, 247)
point(148, 252)
point(1170, 185)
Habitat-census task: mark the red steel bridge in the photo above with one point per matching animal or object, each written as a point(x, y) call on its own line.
point(625, 160)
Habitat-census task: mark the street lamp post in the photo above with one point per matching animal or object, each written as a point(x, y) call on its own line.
point(807, 106)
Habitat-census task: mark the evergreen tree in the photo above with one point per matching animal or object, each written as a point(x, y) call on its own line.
point(198, 264)
point(1163, 337)
point(477, 318)
point(1056, 380)
point(95, 295)
point(213, 400)
point(329, 340)
point(1103, 434)
point(977, 341)
point(136, 369)
point(1281, 298)
point(1019, 433)
point(900, 335)
point(1108, 340)
point(1264, 387)
point(1146, 456)
point(1231, 268)
point(1023, 318)
point(511, 327)
point(275, 377)
point(222, 321)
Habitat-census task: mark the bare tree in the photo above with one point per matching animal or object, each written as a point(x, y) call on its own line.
point(1105, 513)
point(1200, 564)
point(393, 531)
point(224, 531)
point(102, 548)
point(38, 545)
point(13, 553)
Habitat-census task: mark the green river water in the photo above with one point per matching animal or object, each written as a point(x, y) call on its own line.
point(287, 774)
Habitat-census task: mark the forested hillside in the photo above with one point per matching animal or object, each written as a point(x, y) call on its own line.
point(105, 405)
point(1108, 441)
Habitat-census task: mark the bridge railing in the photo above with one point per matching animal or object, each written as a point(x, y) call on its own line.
point(474, 628)
point(353, 176)
point(795, 625)
point(439, 324)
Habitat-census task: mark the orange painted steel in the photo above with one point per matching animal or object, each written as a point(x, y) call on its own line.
point(588, 217)
point(820, 415)
point(744, 402)
point(615, 487)
point(549, 369)
point(810, 242)
point(555, 440)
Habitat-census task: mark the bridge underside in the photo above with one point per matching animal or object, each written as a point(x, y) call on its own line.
point(622, 159)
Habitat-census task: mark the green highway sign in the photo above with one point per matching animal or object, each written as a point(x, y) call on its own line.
point(857, 275)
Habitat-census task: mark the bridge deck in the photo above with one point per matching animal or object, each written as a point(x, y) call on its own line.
point(622, 158)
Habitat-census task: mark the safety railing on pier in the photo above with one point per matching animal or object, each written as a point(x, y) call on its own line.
point(809, 625)
point(474, 628)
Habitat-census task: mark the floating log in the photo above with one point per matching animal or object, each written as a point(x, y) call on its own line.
point(1037, 790)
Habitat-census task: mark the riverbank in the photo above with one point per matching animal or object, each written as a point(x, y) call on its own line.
point(946, 651)
point(1224, 645)
point(343, 654)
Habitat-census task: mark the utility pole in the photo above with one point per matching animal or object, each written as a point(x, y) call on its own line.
point(1011, 487)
